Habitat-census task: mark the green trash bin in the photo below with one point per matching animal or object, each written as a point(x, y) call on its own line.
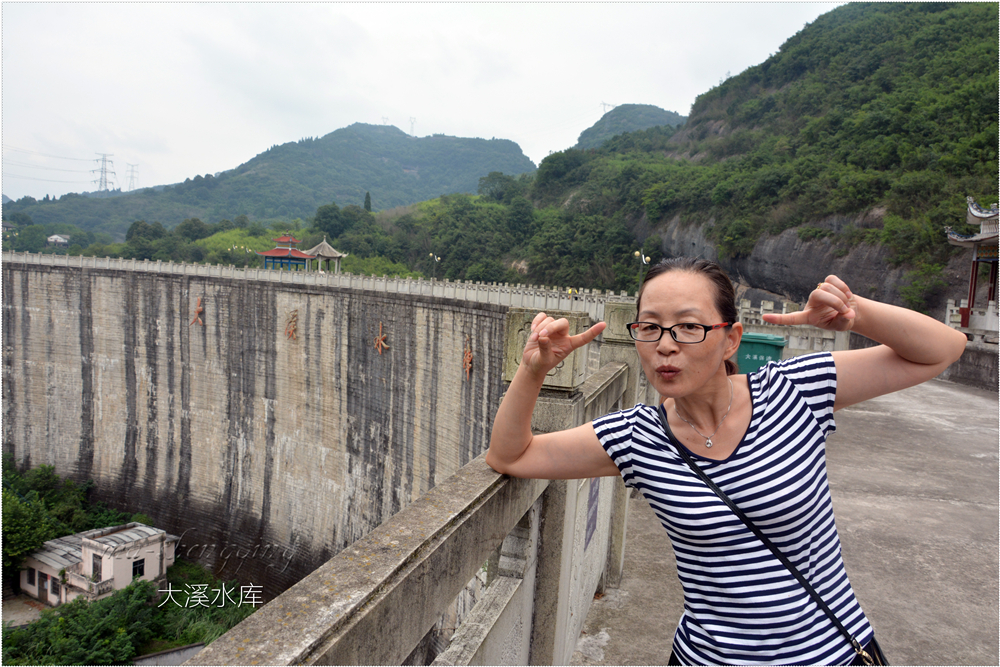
point(757, 349)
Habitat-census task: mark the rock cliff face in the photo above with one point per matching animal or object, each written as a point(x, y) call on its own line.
point(788, 266)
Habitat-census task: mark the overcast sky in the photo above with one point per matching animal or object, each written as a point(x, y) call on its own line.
point(183, 89)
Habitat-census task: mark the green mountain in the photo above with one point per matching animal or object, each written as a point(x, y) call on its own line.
point(292, 180)
point(868, 128)
point(627, 118)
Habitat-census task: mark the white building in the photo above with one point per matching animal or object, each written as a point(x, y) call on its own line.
point(58, 240)
point(95, 563)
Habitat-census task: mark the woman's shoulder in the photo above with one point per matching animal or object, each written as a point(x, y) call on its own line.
point(805, 368)
point(627, 419)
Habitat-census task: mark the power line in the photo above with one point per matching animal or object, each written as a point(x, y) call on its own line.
point(57, 157)
point(32, 178)
point(35, 166)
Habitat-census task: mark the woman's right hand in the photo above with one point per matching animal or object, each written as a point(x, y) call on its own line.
point(549, 343)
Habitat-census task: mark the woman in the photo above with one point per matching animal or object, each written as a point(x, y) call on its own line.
point(759, 437)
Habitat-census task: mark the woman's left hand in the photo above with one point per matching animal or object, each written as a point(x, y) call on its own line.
point(831, 306)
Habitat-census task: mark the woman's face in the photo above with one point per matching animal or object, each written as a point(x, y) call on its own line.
point(678, 369)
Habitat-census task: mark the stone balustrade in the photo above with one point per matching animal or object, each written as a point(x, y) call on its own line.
point(503, 294)
point(983, 323)
point(547, 547)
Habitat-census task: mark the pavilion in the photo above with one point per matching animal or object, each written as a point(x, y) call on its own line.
point(325, 251)
point(285, 254)
point(984, 245)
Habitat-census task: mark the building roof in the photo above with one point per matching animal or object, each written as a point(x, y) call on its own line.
point(129, 533)
point(286, 252)
point(986, 218)
point(326, 251)
point(60, 553)
point(285, 238)
point(63, 552)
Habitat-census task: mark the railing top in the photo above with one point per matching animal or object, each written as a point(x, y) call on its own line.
point(496, 293)
point(401, 575)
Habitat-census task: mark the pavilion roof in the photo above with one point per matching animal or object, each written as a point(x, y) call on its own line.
point(286, 252)
point(285, 238)
point(985, 218)
point(326, 251)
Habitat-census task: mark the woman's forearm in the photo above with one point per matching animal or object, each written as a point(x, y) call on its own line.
point(512, 424)
point(911, 335)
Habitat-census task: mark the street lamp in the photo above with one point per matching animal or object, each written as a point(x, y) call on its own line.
point(643, 261)
point(434, 266)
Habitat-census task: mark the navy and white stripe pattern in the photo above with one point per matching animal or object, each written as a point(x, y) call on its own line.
point(741, 605)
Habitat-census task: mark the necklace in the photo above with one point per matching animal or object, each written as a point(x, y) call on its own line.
point(708, 438)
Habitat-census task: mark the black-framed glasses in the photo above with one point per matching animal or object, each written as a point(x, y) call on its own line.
point(685, 332)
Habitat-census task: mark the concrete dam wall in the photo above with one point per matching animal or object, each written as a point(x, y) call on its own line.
point(262, 421)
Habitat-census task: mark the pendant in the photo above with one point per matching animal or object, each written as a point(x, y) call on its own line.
point(708, 443)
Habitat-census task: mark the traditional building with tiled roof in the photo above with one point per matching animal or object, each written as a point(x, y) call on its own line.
point(984, 246)
point(325, 251)
point(285, 254)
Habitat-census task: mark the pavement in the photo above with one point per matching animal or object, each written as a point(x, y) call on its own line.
point(21, 610)
point(914, 478)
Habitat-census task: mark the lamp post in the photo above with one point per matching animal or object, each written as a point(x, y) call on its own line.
point(643, 261)
point(434, 265)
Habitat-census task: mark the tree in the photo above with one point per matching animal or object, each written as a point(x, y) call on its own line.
point(30, 239)
point(193, 229)
point(26, 525)
point(368, 202)
point(329, 220)
point(142, 229)
point(500, 188)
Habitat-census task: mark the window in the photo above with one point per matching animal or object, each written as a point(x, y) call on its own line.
point(31, 576)
point(97, 574)
point(138, 568)
point(55, 586)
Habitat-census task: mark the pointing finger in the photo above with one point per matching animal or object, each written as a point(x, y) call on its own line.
point(799, 317)
point(590, 334)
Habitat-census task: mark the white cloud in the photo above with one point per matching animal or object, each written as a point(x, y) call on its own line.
point(185, 89)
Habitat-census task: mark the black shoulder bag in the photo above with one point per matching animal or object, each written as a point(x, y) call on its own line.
point(868, 655)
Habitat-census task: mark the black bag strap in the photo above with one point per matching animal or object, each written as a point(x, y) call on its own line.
point(763, 538)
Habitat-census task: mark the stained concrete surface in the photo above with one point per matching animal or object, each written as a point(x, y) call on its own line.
point(21, 610)
point(914, 477)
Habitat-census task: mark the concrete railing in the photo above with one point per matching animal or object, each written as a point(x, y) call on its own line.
point(93, 588)
point(518, 296)
point(375, 600)
point(547, 547)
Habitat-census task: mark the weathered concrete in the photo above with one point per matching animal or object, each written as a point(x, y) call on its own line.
point(914, 477)
point(977, 367)
point(391, 583)
point(270, 435)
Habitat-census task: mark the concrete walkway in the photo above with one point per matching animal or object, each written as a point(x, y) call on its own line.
point(21, 610)
point(914, 477)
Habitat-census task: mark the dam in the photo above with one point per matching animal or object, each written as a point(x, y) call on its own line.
point(270, 418)
point(321, 435)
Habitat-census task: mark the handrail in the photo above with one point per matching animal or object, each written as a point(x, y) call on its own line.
point(522, 296)
point(401, 576)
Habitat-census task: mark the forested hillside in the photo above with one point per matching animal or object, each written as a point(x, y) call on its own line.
point(627, 118)
point(848, 150)
point(291, 180)
point(871, 125)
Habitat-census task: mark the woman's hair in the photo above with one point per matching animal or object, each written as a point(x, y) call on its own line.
point(725, 294)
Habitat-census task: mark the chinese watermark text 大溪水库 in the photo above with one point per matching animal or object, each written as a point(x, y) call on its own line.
point(200, 595)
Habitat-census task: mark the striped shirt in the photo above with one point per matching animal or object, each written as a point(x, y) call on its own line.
point(741, 605)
